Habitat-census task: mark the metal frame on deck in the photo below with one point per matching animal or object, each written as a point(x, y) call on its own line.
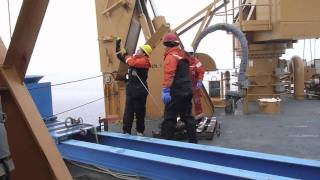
point(151, 165)
point(138, 150)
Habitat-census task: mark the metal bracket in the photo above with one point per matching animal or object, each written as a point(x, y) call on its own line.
point(124, 3)
point(63, 130)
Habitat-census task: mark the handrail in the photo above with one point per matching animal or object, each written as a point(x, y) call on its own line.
point(249, 4)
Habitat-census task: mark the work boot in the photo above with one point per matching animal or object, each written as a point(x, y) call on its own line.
point(156, 134)
point(139, 134)
point(194, 141)
point(199, 116)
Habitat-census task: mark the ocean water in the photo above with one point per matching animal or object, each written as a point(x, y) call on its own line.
point(71, 95)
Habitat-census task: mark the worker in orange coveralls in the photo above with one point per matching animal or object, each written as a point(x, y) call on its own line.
point(177, 90)
point(136, 92)
point(196, 73)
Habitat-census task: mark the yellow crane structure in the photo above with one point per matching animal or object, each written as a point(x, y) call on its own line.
point(271, 26)
point(125, 19)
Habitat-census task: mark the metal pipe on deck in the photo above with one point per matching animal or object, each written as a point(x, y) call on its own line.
point(298, 77)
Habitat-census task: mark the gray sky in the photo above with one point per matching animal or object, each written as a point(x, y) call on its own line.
point(68, 39)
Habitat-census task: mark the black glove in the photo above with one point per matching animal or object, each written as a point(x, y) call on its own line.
point(119, 51)
point(118, 44)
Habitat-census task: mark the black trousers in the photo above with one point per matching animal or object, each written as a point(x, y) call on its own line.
point(6, 168)
point(179, 107)
point(136, 98)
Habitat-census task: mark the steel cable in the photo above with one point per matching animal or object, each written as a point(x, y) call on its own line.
point(152, 97)
point(9, 17)
point(82, 105)
point(105, 171)
point(304, 47)
point(77, 107)
point(311, 50)
point(64, 83)
point(75, 81)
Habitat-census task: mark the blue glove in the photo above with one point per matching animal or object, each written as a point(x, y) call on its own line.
point(166, 97)
point(199, 84)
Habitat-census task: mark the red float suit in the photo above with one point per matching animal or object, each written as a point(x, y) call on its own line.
point(177, 82)
point(196, 74)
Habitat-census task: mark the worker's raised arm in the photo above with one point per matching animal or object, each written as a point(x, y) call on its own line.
point(138, 61)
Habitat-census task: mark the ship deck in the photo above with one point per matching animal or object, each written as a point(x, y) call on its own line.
point(295, 131)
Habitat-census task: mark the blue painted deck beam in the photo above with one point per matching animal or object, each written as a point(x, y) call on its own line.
point(150, 165)
point(251, 161)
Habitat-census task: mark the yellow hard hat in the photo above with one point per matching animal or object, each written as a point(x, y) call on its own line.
point(146, 48)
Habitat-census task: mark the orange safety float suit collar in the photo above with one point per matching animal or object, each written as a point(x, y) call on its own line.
point(171, 58)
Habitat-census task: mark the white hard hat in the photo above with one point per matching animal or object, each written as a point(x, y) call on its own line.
point(189, 49)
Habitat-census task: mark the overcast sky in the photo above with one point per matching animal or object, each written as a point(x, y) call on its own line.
point(67, 41)
point(67, 48)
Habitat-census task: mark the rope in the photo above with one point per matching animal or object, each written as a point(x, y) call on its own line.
point(304, 46)
point(68, 82)
point(9, 17)
point(315, 47)
point(152, 97)
point(310, 50)
point(106, 171)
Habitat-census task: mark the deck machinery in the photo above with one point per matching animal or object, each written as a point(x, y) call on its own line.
point(38, 147)
point(271, 27)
